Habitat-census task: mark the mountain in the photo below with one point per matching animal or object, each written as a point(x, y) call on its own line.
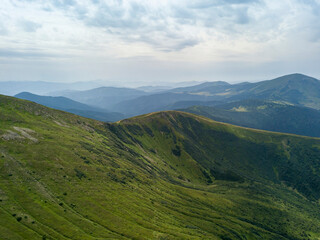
point(297, 89)
point(267, 115)
point(154, 89)
point(165, 175)
point(156, 102)
point(66, 104)
point(168, 100)
point(104, 97)
point(211, 86)
point(12, 88)
point(186, 104)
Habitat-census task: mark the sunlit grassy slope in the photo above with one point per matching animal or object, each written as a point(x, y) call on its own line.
point(167, 175)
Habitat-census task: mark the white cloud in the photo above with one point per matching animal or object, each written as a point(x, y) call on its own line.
point(193, 32)
point(28, 26)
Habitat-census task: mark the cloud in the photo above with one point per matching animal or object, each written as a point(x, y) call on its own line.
point(155, 23)
point(3, 31)
point(204, 4)
point(168, 31)
point(29, 26)
point(136, 22)
point(176, 25)
point(116, 17)
point(28, 53)
point(63, 3)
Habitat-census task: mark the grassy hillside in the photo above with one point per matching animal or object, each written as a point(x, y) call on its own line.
point(267, 115)
point(166, 175)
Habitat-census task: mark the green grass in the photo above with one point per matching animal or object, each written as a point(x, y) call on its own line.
point(167, 175)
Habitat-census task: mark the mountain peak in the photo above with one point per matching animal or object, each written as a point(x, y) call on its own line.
point(296, 77)
point(21, 94)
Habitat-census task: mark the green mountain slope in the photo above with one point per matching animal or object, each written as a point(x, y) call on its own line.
point(267, 115)
point(66, 104)
point(166, 175)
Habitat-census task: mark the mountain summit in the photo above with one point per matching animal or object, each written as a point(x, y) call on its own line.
point(295, 88)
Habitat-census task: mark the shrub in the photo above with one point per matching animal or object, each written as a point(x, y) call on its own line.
point(177, 151)
point(79, 174)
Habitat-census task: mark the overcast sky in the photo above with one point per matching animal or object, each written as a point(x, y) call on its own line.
point(155, 41)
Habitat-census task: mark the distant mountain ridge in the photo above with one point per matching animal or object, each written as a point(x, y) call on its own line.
point(202, 86)
point(266, 115)
point(297, 89)
point(104, 97)
point(66, 104)
point(43, 88)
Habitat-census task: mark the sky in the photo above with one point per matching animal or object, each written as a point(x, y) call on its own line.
point(153, 42)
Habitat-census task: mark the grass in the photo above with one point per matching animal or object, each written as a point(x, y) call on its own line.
point(167, 175)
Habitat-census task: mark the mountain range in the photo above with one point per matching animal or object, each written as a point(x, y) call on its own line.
point(66, 104)
point(267, 115)
point(297, 89)
point(283, 104)
point(44, 88)
point(163, 175)
point(104, 97)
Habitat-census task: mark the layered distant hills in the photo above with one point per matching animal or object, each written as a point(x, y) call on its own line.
point(43, 88)
point(104, 97)
point(66, 104)
point(165, 175)
point(297, 89)
point(289, 103)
